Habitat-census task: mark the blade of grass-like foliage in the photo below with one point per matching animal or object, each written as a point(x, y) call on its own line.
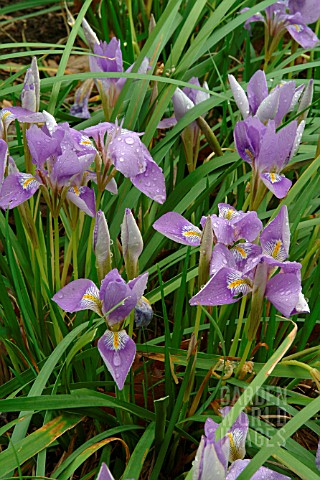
point(140, 453)
point(279, 438)
point(91, 443)
point(35, 442)
point(83, 456)
point(172, 423)
point(41, 380)
point(254, 386)
point(80, 398)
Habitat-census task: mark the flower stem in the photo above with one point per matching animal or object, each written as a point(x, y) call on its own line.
point(56, 252)
point(75, 252)
point(233, 349)
point(244, 357)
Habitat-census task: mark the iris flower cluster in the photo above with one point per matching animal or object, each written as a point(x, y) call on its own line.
point(257, 140)
point(246, 266)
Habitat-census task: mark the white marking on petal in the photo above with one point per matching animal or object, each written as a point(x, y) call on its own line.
point(191, 233)
point(274, 177)
point(228, 213)
point(28, 182)
point(241, 252)
point(276, 250)
point(115, 341)
point(238, 285)
point(91, 300)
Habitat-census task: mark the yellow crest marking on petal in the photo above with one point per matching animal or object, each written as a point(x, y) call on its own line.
point(276, 249)
point(27, 182)
point(91, 298)
point(273, 177)
point(76, 190)
point(191, 233)
point(6, 115)
point(241, 251)
point(236, 283)
point(234, 453)
point(297, 27)
point(116, 341)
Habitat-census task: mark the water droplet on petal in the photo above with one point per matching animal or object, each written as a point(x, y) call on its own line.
point(116, 360)
point(129, 140)
point(121, 159)
point(60, 295)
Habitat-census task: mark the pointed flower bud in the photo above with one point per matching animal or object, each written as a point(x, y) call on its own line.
point(306, 100)
point(205, 252)
point(91, 37)
point(132, 243)
point(30, 95)
point(101, 245)
point(143, 313)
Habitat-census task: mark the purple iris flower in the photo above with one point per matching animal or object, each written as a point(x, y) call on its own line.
point(268, 151)
point(61, 156)
point(114, 301)
point(124, 149)
point(235, 271)
point(232, 225)
point(291, 16)
point(212, 456)
point(264, 105)
point(108, 58)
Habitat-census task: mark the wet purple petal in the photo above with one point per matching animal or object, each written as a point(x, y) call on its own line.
point(287, 92)
point(151, 182)
point(275, 238)
point(221, 257)
point(177, 228)
point(79, 295)
point(3, 159)
point(117, 350)
point(303, 35)
point(42, 146)
point(262, 473)
point(257, 90)
point(17, 188)
point(309, 9)
point(114, 291)
point(246, 256)
point(269, 107)
point(84, 198)
point(139, 284)
point(210, 460)
point(278, 184)
point(283, 291)
point(227, 286)
point(127, 153)
point(110, 56)
point(104, 473)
